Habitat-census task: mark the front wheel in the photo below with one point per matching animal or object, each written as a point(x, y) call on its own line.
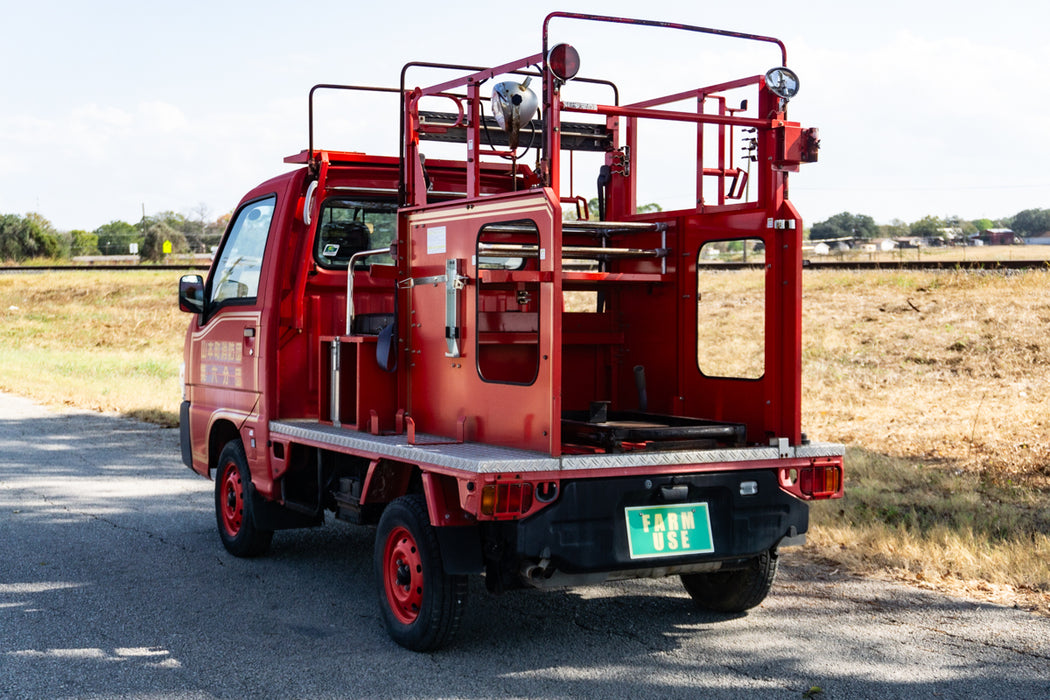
point(734, 591)
point(233, 505)
point(421, 605)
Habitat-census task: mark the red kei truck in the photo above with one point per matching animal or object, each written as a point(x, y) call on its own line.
point(506, 378)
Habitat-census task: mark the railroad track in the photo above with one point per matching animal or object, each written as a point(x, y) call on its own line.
point(929, 265)
point(806, 265)
point(99, 268)
point(964, 265)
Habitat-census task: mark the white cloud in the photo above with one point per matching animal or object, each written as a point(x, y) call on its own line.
point(921, 111)
point(162, 117)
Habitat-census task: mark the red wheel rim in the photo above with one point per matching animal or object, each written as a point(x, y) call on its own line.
point(231, 500)
point(403, 575)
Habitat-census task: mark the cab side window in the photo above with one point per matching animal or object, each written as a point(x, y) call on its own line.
point(236, 277)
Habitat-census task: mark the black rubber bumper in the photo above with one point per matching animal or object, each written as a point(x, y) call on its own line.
point(585, 531)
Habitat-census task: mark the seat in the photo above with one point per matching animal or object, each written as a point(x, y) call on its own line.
point(341, 239)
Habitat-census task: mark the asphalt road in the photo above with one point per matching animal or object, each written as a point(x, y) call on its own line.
point(113, 583)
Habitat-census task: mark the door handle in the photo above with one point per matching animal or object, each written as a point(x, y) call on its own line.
point(249, 340)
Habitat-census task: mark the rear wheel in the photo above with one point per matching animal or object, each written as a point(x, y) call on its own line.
point(233, 505)
point(421, 605)
point(734, 591)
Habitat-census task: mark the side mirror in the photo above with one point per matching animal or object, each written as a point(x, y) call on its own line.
point(191, 294)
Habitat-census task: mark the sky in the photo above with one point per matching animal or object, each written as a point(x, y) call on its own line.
point(109, 110)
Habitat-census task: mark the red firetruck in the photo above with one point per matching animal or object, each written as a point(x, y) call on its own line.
point(508, 378)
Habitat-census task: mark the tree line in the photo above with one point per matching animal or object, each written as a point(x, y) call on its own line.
point(1030, 222)
point(32, 236)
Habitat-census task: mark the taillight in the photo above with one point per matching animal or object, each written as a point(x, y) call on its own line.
point(506, 500)
point(820, 481)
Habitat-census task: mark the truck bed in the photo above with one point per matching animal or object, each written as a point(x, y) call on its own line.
point(437, 451)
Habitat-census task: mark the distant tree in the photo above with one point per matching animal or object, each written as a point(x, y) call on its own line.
point(928, 227)
point(192, 230)
point(174, 220)
point(31, 236)
point(844, 225)
point(11, 237)
point(157, 232)
point(116, 237)
point(592, 210)
point(213, 231)
point(895, 229)
point(197, 240)
point(83, 243)
point(1031, 222)
point(983, 224)
point(49, 243)
point(649, 208)
point(955, 227)
point(221, 223)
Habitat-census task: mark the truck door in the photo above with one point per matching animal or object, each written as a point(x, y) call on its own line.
point(223, 365)
point(482, 337)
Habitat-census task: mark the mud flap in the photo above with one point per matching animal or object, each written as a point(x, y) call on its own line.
point(460, 549)
point(184, 434)
point(273, 516)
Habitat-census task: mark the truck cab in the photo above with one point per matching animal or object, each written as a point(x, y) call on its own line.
point(506, 377)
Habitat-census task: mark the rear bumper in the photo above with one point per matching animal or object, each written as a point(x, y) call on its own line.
point(585, 531)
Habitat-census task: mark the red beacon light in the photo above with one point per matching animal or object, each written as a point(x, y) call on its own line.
point(564, 61)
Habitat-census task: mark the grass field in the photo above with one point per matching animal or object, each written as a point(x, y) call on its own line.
point(939, 383)
point(107, 341)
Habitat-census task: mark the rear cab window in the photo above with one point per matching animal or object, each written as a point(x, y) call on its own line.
point(348, 226)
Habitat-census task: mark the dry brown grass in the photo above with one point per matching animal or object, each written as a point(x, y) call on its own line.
point(106, 341)
point(938, 382)
point(948, 367)
point(731, 299)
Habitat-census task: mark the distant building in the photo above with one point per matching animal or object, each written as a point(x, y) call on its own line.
point(999, 236)
point(1041, 239)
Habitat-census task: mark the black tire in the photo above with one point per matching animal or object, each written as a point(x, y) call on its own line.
point(734, 591)
point(233, 505)
point(420, 604)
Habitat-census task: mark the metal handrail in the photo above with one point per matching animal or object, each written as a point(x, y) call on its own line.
point(350, 281)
